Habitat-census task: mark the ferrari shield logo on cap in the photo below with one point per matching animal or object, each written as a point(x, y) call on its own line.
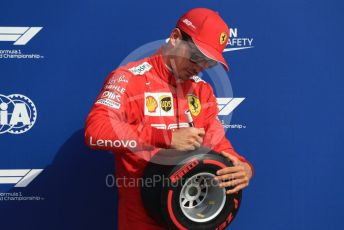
point(194, 105)
point(223, 38)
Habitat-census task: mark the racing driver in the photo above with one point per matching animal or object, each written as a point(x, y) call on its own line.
point(141, 109)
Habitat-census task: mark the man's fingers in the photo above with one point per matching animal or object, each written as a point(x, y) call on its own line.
point(189, 148)
point(237, 188)
point(234, 159)
point(226, 154)
point(197, 144)
point(231, 176)
point(199, 139)
point(230, 170)
point(186, 139)
point(201, 132)
point(232, 183)
point(193, 142)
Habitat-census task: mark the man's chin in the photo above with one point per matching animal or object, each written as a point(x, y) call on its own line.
point(184, 76)
point(187, 77)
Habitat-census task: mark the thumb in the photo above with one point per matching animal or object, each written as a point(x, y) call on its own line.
point(231, 157)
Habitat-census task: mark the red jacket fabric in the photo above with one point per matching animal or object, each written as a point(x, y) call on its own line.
point(134, 115)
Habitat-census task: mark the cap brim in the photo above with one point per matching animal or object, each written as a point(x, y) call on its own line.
point(211, 53)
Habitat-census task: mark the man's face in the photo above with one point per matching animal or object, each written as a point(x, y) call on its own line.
point(187, 60)
point(181, 64)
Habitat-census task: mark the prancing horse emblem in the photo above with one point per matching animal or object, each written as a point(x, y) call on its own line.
point(194, 105)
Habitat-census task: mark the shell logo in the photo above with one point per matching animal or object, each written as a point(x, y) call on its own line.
point(151, 104)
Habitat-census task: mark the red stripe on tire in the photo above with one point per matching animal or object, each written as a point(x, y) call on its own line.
point(213, 162)
point(170, 211)
point(184, 169)
point(236, 203)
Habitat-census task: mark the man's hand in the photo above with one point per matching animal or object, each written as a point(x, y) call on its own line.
point(237, 176)
point(185, 139)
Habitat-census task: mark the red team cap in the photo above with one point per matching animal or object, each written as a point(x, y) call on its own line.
point(208, 31)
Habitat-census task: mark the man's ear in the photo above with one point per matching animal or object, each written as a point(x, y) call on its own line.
point(175, 37)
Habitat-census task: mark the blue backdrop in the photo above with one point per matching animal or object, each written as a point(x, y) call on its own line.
point(291, 77)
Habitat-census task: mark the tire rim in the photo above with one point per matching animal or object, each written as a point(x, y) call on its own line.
point(201, 199)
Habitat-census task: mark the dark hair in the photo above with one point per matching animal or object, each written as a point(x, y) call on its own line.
point(185, 36)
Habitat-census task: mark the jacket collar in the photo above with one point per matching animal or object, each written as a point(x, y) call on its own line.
point(163, 71)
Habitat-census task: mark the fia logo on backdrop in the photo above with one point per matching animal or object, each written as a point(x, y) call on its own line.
point(18, 114)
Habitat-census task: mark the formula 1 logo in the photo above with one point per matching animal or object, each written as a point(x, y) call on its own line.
point(19, 35)
point(226, 105)
point(17, 114)
point(19, 177)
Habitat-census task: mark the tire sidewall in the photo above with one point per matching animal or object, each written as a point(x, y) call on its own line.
point(231, 205)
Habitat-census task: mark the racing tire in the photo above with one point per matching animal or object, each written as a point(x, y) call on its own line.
point(183, 194)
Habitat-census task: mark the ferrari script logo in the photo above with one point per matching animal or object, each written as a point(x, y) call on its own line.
point(223, 38)
point(166, 103)
point(194, 105)
point(151, 104)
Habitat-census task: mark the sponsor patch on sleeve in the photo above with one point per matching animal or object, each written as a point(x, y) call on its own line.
point(140, 69)
point(109, 103)
point(112, 95)
point(116, 84)
point(117, 79)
